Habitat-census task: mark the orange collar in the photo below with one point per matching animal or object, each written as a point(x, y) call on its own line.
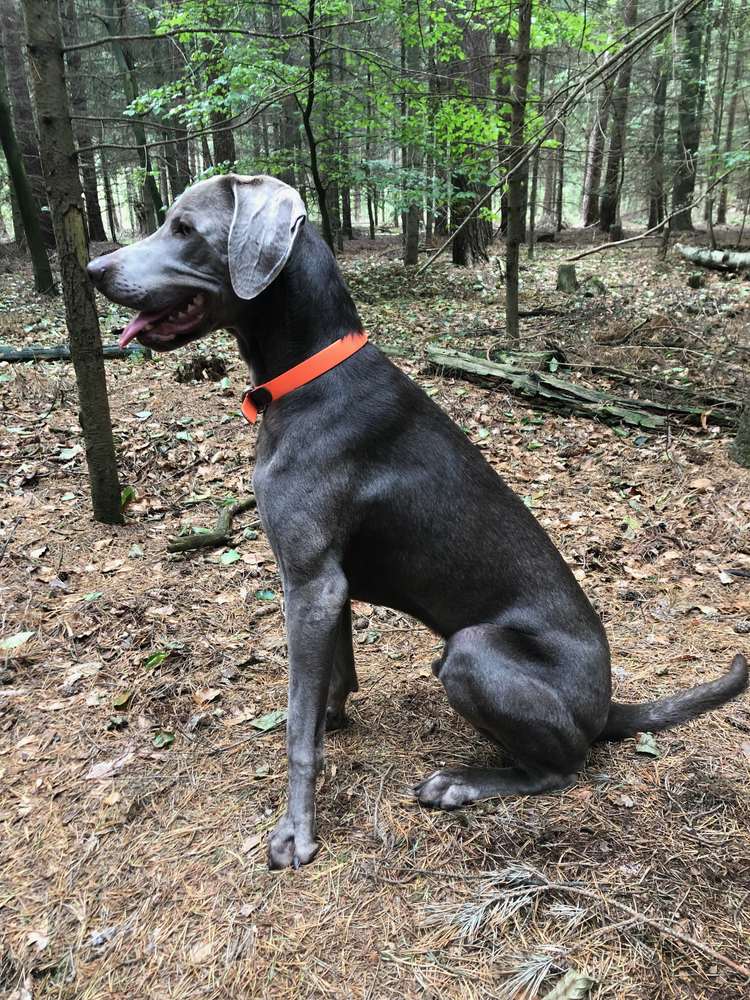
point(258, 398)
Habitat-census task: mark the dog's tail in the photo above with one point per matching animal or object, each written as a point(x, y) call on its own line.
point(652, 716)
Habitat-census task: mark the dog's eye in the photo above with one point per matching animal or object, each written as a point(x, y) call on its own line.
point(184, 228)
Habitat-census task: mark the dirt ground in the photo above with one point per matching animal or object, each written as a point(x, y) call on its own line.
point(135, 795)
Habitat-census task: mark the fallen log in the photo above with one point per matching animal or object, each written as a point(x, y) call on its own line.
point(550, 391)
point(717, 260)
point(219, 536)
point(62, 353)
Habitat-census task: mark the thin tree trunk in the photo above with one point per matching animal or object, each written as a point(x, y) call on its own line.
point(721, 82)
point(116, 23)
point(108, 199)
point(609, 203)
point(721, 214)
point(24, 125)
point(560, 176)
point(657, 199)
point(64, 190)
point(531, 231)
point(79, 107)
point(312, 143)
point(28, 208)
point(595, 157)
point(515, 183)
point(411, 154)
point(689, 127)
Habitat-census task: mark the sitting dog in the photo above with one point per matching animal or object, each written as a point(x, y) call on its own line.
point(368, 491)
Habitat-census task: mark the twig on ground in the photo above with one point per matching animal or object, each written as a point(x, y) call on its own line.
point(220, 534)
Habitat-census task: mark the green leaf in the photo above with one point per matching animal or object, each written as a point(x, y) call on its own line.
point(93, 595)
point(265, 595)
point(117, 722)
point(14, 641)
point(573, 986)
point(156, 659)
point(271, 720)
point(647, 746)
point(127, 496)
point(184, 436)
point(163, 739)
point(122, 700)
point(229, 557)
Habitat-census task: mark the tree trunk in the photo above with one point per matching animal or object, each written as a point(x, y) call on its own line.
point(560, 177)
point(64, 191)
point(721, 214)
point(153, 206)
point(722, 71)
point(24, 127)
point(410, 151)
point(657, 199)
point(27, 205)
point(312, 142)
point(515, 183)
point(609, 204)
point(689, 128)
point(531, 231)
point(79, 107)
point(595, 158)
point(109, 200)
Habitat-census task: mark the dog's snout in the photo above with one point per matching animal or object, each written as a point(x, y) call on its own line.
point(97, 269)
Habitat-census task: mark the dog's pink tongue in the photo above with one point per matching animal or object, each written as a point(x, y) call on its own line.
point(135, 326)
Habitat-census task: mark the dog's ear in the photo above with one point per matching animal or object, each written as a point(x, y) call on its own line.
point(268, 216)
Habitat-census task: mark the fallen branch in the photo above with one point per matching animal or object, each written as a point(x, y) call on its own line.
point(551, 391)
point(219, 536)
point(62, 353)
point(717, 260)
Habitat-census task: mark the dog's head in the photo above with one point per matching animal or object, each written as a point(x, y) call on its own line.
point(222, 243)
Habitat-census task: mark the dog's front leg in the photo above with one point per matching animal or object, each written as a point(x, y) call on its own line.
point(313, 615)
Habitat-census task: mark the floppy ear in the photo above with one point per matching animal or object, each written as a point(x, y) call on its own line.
point(268, 216)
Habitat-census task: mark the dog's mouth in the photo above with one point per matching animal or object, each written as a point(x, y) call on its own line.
point(165, 328)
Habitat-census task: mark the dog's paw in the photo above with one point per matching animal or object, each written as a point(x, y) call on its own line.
point(290, 845)
point(446, 789)
point(336, 719)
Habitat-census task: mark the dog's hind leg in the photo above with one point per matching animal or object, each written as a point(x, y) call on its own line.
point(343, 676)
point(492, 679)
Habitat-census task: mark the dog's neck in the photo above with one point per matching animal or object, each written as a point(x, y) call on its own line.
point(306, 308)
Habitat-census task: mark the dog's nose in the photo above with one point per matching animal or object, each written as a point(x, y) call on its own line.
point(97, 270)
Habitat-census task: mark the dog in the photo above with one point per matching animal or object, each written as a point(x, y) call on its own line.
point(368, 491)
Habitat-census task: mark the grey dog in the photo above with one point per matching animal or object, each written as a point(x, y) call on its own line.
point(368, 491)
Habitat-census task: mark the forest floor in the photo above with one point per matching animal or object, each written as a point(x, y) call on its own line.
point(135, 795)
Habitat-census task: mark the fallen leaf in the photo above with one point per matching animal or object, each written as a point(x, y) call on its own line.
point(109, 768)
point(204, 696)
point(122, 699)
point(251, 842)
point(573, 986)
point(646, 745)
point(200, 953)
point(38, 939)
point(270, 720)
point(163, 739)
point(14, 641)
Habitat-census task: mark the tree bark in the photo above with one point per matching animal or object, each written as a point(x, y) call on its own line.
point(689, 127)
point(516, 181)
point(410, 153)
point(595, 158)
point(609, 204)
point(44, 36)
point(26, 202)
point(531, 231)
point(657, 199)
point(721, 213)
point(153, 208)
point(79, 106)
point(22, 112)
